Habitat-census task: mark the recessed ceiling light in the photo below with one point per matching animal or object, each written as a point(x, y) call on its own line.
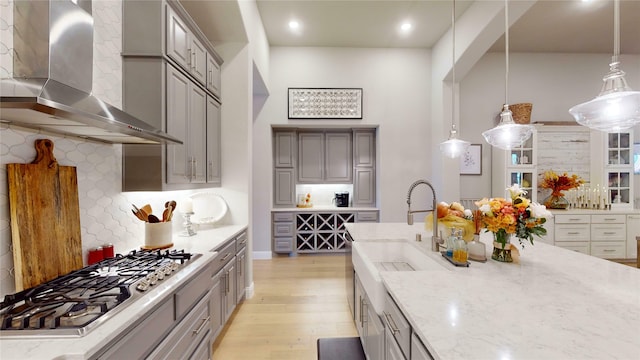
point(294, 24)
point(406, 26)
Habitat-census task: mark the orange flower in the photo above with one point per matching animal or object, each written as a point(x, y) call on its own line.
point(557, 183)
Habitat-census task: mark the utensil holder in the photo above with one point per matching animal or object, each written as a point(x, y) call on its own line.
point(157, 235)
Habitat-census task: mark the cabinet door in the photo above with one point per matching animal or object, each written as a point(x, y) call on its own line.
point(358, 308)
point(198, 60)
point(215, 304)
point(240, 275)
point(177, 117)
point(375, 335)
point(284, 149)
point(284, 187)
point(392, 350)
point(213, 75)
point(197, 134)
point(338, 157)
point(229, 288)
point(310, 157)
point(214, 154)
point(364, 148)
point(364, 187)
point(418, 350)
point(178, 39)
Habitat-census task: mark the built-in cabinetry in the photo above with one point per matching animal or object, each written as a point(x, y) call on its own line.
point(603, 235)
point(401, 342)
point(171, 79)
point(368, 324)
point(600, 159)
point(338, 156)
point(315, 231)
point(178, 328)
point(227, 274)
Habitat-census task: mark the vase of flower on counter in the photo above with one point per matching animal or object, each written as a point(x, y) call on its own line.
point(558, 184)
point(513, 217)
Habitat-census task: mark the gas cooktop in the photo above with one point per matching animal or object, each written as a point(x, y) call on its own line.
point(74, 304)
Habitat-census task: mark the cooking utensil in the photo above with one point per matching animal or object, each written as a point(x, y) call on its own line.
point(144, 214)
point(165, 214)
point(137, 214)
point(45, 218)
point(153, 219)
point(147, 209)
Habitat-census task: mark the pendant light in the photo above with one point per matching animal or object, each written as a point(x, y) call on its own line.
point(617, 107)
point(453, 147)
point(507, 134)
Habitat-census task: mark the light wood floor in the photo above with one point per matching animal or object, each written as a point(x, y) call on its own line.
point(296, 301)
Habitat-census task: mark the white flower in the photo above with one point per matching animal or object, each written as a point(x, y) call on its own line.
point(486, 209)
point(539, 211)
point(468, 213)
point(516, 191)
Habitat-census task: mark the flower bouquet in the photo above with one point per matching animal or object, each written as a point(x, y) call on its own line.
point(558, 184)
point(516, 216)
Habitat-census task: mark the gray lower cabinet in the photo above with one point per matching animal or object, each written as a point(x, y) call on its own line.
point(368, 323)
point(418, 350)
point(392, 349)
point(177, 328)
point(314, 231)
point(241, 266)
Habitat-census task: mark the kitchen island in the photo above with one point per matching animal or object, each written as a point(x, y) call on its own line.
point(101, 338)
point(553, 304)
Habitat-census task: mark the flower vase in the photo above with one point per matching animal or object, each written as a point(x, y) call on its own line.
point(556, 202)
point(502, 247)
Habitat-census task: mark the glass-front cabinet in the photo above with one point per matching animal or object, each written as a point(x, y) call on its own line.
point(619, 168)
point(519, 164)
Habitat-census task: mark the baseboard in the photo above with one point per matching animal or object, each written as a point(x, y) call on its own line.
point(262, 255)
point(250, 291)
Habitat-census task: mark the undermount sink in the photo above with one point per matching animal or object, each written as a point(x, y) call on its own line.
point(370, 258)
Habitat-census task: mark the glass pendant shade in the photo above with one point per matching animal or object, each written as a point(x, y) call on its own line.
point(507, 135)
point(454, 147)
point(615, 109)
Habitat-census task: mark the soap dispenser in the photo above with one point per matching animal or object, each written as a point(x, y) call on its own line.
point(451, 242)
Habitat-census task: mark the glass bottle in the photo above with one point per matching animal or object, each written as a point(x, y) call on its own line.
point(451, 242)
point(460, 253)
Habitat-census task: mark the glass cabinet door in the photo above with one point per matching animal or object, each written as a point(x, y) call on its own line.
point(619, 168)
point(525, 179)
point(522, 155)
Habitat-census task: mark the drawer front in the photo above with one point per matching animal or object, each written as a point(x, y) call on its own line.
point(608, 219)
point(225, 254)
point(608, 232)
point(284, 245)
point(187, 297)
point(364, 216)
point(241, 241)
point(283, 229)
point(185, 338)
point(572, 219)
point(567, 232)
point(577, 246)
point(282, 216)
point(609, 249)
point(397, 324)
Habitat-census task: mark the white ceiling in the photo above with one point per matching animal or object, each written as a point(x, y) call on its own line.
point(570, 26)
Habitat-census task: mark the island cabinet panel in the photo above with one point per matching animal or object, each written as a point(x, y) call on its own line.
point(391, 347)
point(418, 350)
point(398, 325)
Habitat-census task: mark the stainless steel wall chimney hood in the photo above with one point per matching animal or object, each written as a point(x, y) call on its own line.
point(53, 78)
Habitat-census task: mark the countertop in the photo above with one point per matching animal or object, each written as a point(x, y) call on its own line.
point(325, 208)
point(554, 304)
point(84, 347)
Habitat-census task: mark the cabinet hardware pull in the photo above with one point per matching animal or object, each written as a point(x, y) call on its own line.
point(573, 233)
point(189, 57)
point(240, 268)
point(609, 232)
point(609, 250)
point(361, 321)
point(574, 219)
point(225, 257)
point(204, 322)
point(391, 323)
point(226, 282)
point(610, 219)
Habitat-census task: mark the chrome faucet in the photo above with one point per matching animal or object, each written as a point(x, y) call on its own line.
point(435, 240)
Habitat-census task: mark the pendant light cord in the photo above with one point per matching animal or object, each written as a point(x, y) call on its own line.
point(506, 50)
point(453, 66)
point(616, 30)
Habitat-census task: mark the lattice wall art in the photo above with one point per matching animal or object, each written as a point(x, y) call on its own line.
point(322, 103)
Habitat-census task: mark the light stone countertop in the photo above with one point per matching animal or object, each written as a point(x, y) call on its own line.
point(34, 348)
point(554, 304)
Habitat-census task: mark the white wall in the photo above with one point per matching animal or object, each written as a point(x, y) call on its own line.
point(396, 97)
point(552, 82)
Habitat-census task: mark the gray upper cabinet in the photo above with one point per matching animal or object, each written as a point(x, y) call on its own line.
point(310, 157)
point(324, 157)
point(167, 83)
point(284, 149)
point(364, 158)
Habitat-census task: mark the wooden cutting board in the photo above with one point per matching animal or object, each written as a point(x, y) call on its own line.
point(45, 218)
